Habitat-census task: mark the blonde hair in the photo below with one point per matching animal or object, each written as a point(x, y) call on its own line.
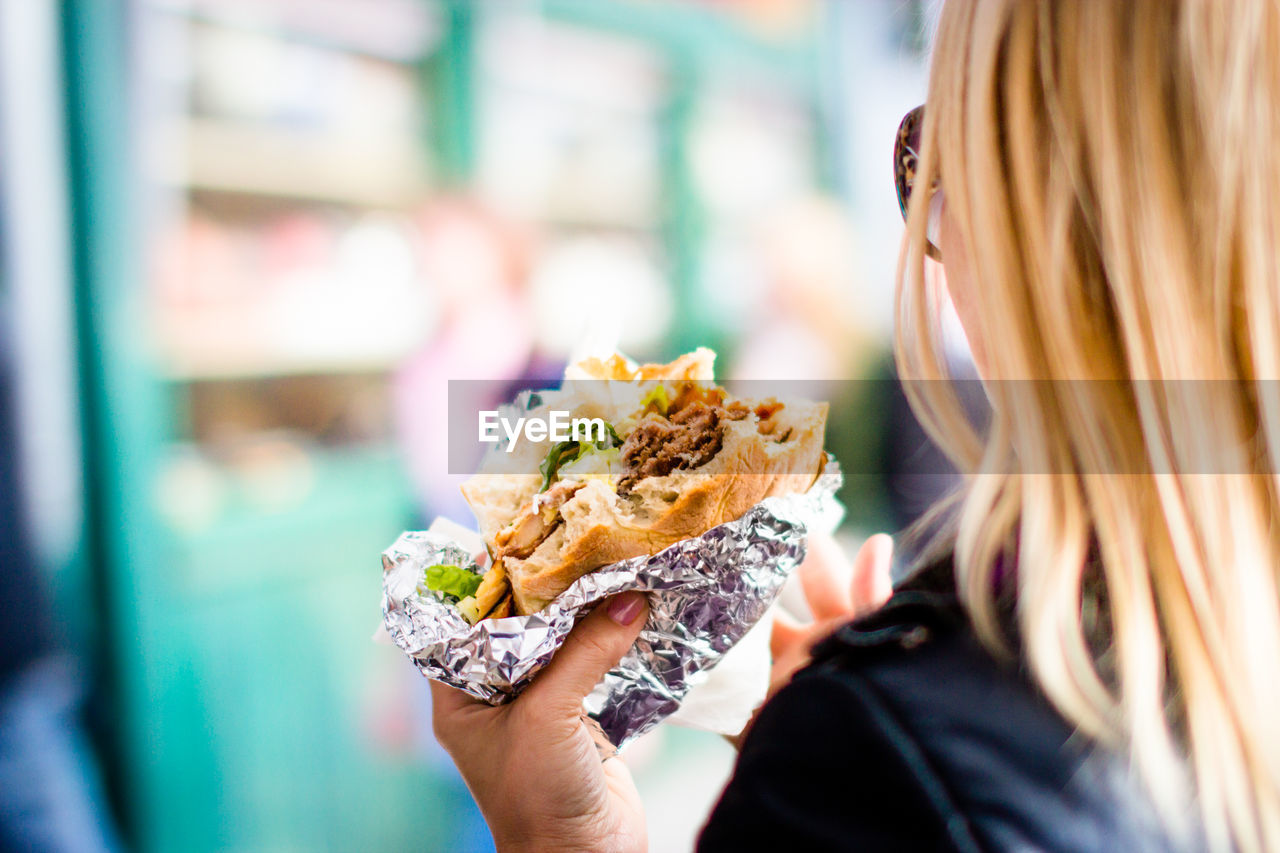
point(1113, 170)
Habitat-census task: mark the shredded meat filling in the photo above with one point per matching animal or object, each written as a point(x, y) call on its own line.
point(690, 436)
point(522, 537)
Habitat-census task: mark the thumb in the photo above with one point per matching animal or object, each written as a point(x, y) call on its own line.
point(871, 574)
point(593, 647)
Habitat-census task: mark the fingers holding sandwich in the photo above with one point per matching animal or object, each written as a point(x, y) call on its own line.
point(579, 802)
point(593, 647)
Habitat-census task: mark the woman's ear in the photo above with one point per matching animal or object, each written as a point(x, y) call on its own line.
point(957, 275)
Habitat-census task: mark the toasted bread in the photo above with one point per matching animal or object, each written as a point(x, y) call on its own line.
point(596, 525)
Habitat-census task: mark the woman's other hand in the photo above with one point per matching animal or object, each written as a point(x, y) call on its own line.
point(533, 765)
point(836, 593)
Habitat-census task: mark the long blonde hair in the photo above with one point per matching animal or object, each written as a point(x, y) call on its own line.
point(1113, 169)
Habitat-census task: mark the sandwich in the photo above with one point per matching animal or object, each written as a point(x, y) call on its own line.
point(679, 456)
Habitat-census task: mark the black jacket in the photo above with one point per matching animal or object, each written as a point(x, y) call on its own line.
point(905, 734)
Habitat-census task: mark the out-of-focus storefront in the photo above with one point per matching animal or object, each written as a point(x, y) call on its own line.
point(290, 221)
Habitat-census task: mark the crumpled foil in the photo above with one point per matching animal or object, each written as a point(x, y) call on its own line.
point(705, 593)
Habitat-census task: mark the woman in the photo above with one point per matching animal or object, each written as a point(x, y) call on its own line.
point(1091, 665)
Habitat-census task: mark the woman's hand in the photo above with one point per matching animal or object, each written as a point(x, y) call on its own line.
point(836, 593)
point(533, 765)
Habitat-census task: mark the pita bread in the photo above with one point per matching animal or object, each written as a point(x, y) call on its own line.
point(543, 542)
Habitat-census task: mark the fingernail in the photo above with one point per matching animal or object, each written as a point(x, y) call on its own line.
point(624, 608)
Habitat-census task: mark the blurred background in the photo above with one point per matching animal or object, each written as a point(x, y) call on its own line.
point(244, 244)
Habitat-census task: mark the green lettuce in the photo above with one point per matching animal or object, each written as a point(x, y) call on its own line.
point(564, 452)
point(452, 580)
point(559, 453)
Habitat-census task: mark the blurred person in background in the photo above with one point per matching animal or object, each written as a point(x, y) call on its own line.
point(809, 324)
point(49, 791)
point(810, 329)
point(813, 328)
point(1086, 661)
point(477, 265)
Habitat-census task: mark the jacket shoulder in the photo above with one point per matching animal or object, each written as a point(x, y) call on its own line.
point(904, 733)
point(827, 766)
point(1016, 774)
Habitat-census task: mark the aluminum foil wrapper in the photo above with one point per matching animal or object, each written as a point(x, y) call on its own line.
point(704, 595)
